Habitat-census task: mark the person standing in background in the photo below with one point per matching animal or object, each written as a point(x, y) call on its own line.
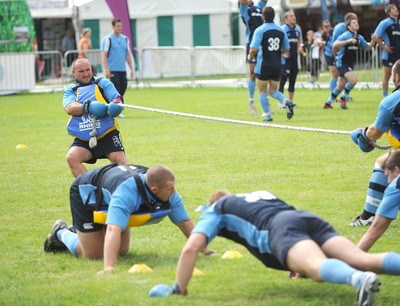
point(115, 51)
point(84, 42)
point(268, 44)
point(290, 66)
point(327, 43)
point(251, 15)
point(387, 36)
point(68, 43)
point(345, 49)
point(338, 30)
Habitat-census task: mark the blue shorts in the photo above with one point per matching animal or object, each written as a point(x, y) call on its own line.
point(106, 145)
point(291, 226)
point(344, 69)
point(330, 61)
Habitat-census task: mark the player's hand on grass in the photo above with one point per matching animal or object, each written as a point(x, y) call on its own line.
point(107, 270)
point(163, 290)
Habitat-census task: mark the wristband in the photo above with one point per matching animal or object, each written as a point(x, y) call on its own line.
point(85, 106)
point(177, 291)
point(363, 137)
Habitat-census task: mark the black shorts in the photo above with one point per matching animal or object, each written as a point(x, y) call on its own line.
point(289, 227)
point(268, 76)
point(344, 69)
point(330, 61)
point(82, 215)
point(388, 63)
point(106, 145)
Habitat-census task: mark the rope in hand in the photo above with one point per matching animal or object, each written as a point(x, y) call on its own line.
point(381, 147)
point(376, 145)
point(93, 134)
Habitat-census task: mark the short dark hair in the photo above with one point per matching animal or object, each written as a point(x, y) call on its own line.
point(115, 21)
point(268, 14)
point(350, 16)
point(392, 161)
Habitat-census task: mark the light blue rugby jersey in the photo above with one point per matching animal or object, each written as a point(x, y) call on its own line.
point(109, 92)
point(293, 35)
point(121, 195)
point(252, 17)
point(117, 52)
point(390, 204)
point(328, 45)
point(243, 218)
point(389, 31)
point(385, 117)
point(347, 54)
point(338, 30)
point(270, 40)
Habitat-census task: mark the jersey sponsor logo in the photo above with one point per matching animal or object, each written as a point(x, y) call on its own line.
point(88, 226)
point(87, 123)
point(396, 32)
point(293, 40)
point(352, 48)
point(256, 14)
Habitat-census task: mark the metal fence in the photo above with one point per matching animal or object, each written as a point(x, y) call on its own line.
point(368, 67)
point(51, 70)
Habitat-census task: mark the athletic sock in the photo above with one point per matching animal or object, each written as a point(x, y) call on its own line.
point(377, 185)
point(264, 101)
point(385, 93)
point(332, 84)
point(251, 87)
point(366, 215)
point(336, 271)
point(356, 278)
point(70, 240)
point(347, 88)
point(391, 263)
point(279, 96)
point(334, 93)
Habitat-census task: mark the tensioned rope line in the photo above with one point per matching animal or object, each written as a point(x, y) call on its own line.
point(287, 127)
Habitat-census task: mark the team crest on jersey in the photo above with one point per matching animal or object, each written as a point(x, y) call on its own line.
point(87, 122)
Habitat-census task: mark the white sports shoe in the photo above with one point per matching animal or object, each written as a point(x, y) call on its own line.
point(253, 109)
point(369, 286)
point(359, 221)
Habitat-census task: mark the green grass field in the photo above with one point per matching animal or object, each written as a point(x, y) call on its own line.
point(321, 172)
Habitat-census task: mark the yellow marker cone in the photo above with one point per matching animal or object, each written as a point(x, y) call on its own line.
point(21, 146)
point(232, 255)
point(197, 272)
point(140, 268)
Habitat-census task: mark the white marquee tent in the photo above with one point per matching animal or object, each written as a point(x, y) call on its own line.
point(167, 22)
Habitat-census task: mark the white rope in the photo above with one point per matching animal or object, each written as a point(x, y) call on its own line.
point(287, 127)
point(93, 134)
